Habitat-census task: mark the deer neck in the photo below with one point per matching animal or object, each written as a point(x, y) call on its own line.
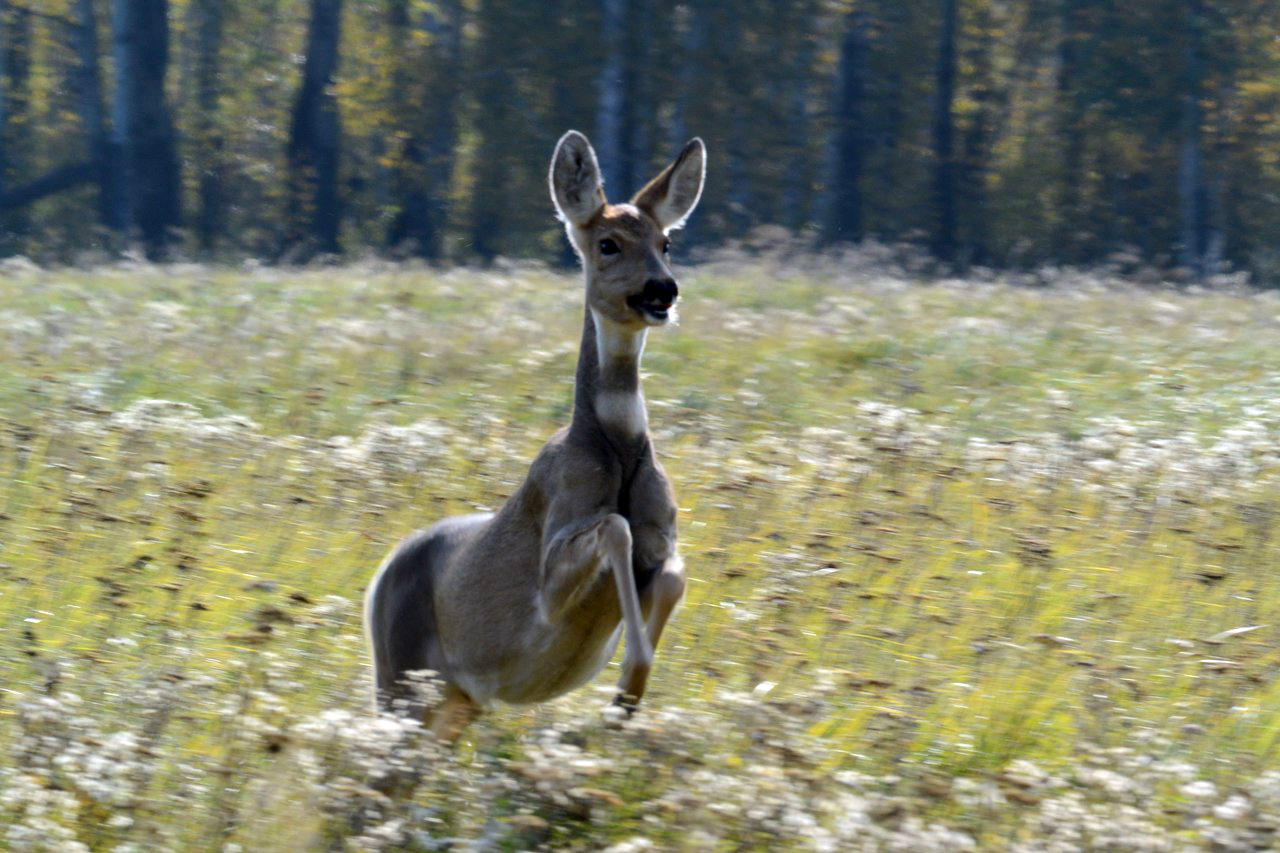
point(607, 395)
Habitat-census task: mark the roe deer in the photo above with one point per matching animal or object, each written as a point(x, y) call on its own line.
point(527, 603)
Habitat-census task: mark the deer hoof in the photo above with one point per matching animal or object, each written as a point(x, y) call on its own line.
point(627, 703)
point(614, 716)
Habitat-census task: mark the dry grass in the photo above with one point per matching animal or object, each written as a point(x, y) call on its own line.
point(975, 564)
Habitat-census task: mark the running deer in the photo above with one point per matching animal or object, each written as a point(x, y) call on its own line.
point(529, 602)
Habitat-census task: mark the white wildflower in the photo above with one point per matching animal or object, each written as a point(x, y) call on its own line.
point(1201, 789)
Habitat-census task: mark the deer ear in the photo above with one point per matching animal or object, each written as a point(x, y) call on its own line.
point(672, 196)
point(576, 186)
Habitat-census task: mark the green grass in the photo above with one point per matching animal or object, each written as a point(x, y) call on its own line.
point(932, 531)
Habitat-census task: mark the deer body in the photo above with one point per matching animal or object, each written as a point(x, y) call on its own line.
point(530, 602)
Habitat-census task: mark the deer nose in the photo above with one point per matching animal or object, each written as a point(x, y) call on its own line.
point(662, 291)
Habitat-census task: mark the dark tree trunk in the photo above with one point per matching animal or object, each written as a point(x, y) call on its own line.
point(987, 101)
point(52, 182)
point(445, 23)
point(121, 107)
point(15, 80)
point(692, 42)
point(848, 154)
point(731, 46)
point(569, 99)
point(149, 144)
point(944, 236)
point(490, 200)
point(1192, 195)
point(425, 166)
point(4, 103)
point(406, 172)
point(638, 107)
point(106, 157)
point(209, 20)
point(1070, 131)
point(797, 179)
point(690, 77)
point(314, 139)
point(612, 92)
point(104, 165)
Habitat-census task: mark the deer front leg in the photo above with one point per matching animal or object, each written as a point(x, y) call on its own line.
point(572, 562)
point(658, 603)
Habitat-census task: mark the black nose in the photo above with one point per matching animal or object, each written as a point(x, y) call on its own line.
point(662, 291)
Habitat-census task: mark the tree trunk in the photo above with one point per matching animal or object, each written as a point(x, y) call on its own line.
point(740, 204)
point(692, 42)
point(490, 199)
point(209, 139)
point(121, 108)
point(690, 78)
point(406, 171)
point(612, 92)
point(944, 237)
point(4, 105)
point(638, 109)
point(798, 178)
point(104, 165)
point(848, 134)
point(15, 124)
point(1192, 221)
point(445, 23)
point(106, 157)
point(987, 101)
point(1070, 131)
point(50, 183)
point(314, 139)
point(144, 127)
point(425, 166)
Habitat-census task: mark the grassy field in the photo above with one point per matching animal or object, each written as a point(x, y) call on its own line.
point(975, 564)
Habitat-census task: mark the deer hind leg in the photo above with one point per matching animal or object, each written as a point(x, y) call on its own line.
point(400, 623)
point(658, 602)
point(454, 713)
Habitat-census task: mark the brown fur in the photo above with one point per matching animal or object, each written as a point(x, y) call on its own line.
point(530, 602)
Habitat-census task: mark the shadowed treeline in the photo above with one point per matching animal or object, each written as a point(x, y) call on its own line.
point(994, 133)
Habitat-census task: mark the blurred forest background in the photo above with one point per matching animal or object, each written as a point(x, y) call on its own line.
point(989, 132)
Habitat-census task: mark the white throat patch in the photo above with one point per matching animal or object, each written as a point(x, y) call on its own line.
point(620, 410)
point(613, 341)
point(623, 411)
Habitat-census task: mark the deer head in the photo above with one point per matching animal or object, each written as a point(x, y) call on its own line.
point(623, 247)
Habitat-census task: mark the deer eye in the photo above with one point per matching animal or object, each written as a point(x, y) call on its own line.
point(609, 247)
point(666, 247)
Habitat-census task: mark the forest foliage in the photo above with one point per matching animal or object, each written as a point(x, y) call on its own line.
point(991, 132)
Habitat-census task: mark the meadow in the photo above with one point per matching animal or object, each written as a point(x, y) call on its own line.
point(981, 564)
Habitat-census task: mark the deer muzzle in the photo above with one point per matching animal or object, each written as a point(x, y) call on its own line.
point(657, 297)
